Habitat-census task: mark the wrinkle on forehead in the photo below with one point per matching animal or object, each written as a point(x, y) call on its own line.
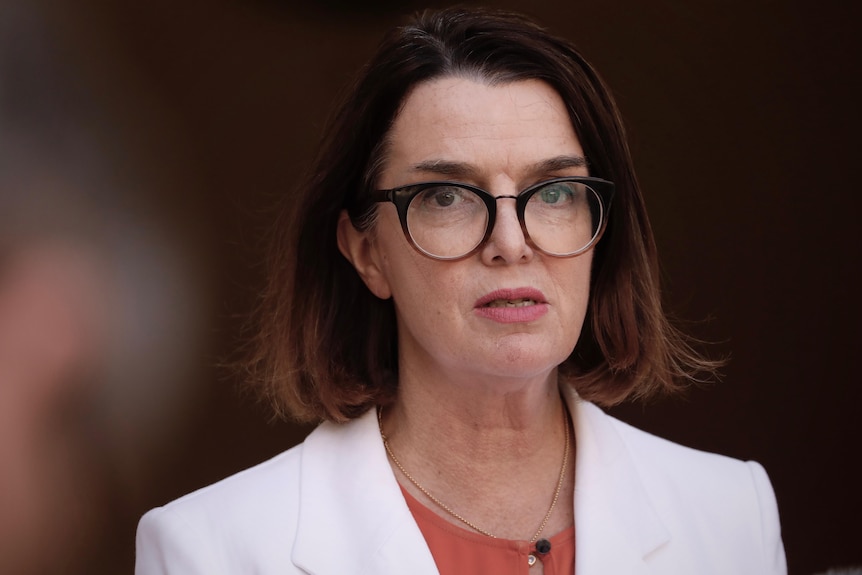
point(459, 127)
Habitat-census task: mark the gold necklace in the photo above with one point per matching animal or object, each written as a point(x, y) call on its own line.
point(451, 512)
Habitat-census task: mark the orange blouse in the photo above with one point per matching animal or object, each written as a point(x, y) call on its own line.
point(457, 551)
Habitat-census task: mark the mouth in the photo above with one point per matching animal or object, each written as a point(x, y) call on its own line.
point(511, 298)
point(522, 302)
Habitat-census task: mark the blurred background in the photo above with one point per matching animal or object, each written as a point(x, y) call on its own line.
point(143, 144)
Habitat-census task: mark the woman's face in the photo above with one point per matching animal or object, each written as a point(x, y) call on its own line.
point(508, 312)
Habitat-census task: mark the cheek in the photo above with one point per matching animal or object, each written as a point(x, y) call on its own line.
point(425, 292)
point(418, 283)
point(576, 286)
point(404, 270)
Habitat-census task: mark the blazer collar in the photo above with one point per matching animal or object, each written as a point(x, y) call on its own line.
point(353, 517)
point(616, 524)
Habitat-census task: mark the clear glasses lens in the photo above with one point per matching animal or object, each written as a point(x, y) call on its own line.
point(447, 221)
point(562, 218)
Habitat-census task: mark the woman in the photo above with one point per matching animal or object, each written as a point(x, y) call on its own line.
point(468, 272)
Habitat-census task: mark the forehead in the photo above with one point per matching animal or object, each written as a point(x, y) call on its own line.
point(496, 128)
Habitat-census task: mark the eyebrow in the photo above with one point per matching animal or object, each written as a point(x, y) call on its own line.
point(466, 170)
point(559, 163)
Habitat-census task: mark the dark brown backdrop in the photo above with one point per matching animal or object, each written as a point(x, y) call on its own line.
point(744, 120)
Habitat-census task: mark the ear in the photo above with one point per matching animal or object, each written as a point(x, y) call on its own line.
point(360, 250)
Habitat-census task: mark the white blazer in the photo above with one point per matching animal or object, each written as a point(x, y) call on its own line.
point(332, 506)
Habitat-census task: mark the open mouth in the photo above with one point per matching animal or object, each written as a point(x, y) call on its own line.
point(522, 302)
point(510, 298)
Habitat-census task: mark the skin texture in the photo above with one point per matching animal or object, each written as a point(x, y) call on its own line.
point(478, 400)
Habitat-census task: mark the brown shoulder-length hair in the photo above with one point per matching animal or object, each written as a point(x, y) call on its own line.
point(326, 348)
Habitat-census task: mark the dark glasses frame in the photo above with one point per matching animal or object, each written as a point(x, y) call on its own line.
point(403, 195)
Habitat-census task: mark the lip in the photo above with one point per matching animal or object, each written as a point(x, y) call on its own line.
point(519, 314)
point(511, 294)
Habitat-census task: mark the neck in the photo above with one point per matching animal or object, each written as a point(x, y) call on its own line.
point(483, 415)
point(483, 452)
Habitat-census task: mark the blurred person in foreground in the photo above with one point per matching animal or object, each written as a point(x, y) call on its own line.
point(52, 329)
point(96, 360)
point(467, 275)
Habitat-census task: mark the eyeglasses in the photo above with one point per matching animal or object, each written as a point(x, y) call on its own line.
point(562, 217)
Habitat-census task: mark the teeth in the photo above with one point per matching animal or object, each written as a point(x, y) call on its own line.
point(512, 303)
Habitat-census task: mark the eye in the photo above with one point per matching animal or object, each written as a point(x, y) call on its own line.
point(440, 197)
point(556, 193)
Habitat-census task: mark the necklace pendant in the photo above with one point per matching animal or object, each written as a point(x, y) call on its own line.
point(531, 559)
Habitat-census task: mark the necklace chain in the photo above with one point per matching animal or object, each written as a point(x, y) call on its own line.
point(451, 512)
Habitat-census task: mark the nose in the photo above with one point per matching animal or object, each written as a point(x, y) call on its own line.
point(507, 243)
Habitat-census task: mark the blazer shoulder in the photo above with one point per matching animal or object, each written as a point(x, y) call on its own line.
point(688, 471)
point(709, 496)
point(244, 488)
point(237, 524)
point(666, 449)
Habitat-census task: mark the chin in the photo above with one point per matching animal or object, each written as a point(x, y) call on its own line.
point(518, 363)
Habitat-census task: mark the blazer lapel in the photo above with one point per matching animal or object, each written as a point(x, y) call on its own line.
point(616, 524)
point(352, 515)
